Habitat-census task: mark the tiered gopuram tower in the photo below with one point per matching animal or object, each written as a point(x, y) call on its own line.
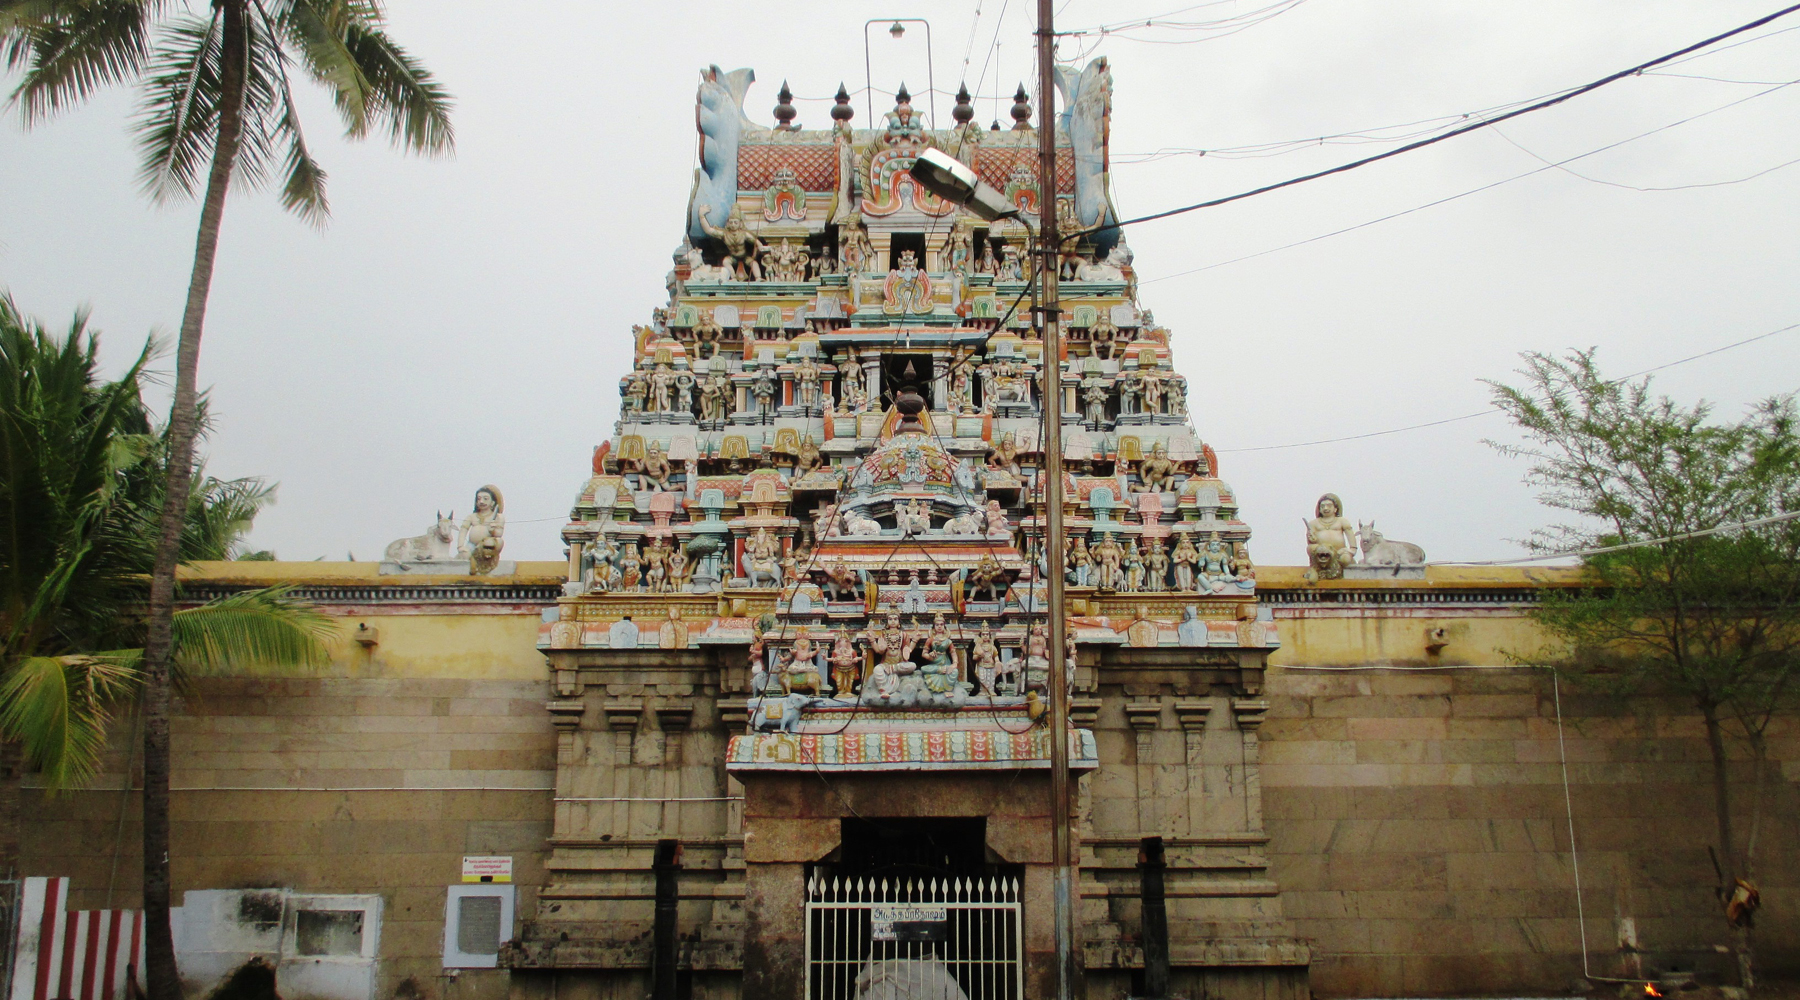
point(805, 654)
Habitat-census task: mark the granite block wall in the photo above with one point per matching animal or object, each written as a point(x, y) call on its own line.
point(1421, 835)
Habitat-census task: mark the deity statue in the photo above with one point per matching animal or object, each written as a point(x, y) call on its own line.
point(987, 264)
point(786, 262)
point(1012, 266)
point(806, 379)
point(985, 658)
point(908, 290)
point(762, 558)
point(715, 398)
point(1185, 558)
point(656, 566)
point(684, 392)
point(1150, 386)
point(1156, 567)
point(846, 664)
point(998, 527)
point(1101, 336)
point(1330, 540)
point(856, 252)
point(483, 533)
point(764, 389)
point(655, 471)
point(662, 385)
point(903, 121)
point(1037, 659)
point(1094, 392)
point(1080, 562)
point(937, 671)
point(1156, 474)
point(741, 245)
point(959, 248)
point(1134, 567)
point(962, 398)
point(809, 457)
point(1177, 396)
point(1215, 565)
point(1108, 556)
point(802, 660)
point(631, 567)
point(1004, 454)
point(706, 335)
point(637, 388)
point(678, 567)
point(1246, 571)
point(892, 646)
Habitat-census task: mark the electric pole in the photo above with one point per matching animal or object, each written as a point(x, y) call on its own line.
point(1050, 249)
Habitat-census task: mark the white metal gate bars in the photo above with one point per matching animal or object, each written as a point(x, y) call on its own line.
point(929, 939)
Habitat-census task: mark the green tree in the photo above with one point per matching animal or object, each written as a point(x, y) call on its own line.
point(1695, 587)
point(217, 104)
point(80, 492)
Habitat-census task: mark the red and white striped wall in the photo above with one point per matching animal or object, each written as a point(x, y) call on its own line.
point(68, 954)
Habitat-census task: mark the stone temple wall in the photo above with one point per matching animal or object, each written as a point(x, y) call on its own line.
point(1415, 818)
point(1420, 832)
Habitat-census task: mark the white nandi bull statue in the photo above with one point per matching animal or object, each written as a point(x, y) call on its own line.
point(439, 543)
point(1378, 551)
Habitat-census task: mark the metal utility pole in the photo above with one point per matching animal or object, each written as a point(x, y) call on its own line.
point(1050, 247)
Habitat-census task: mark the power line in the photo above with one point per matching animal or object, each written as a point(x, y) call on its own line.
point(1634, 187)
point(1476, 190)
point(1422, 143)
point(1489, 412)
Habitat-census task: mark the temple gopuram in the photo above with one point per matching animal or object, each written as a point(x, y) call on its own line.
point(801, 666)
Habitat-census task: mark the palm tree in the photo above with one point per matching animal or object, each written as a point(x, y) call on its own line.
point(216, 86)
point(79, 493)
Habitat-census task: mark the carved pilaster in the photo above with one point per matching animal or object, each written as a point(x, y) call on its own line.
point(1144, 717)
point(565, 718)
point(1084, 712)
point(1249, 714)
point(1193, 715)
point(622, 718)
point(674, 720)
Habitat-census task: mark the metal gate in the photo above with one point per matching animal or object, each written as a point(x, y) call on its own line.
point(943, 939)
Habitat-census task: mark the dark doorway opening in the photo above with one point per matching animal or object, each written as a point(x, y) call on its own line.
point(914, 847)
point(905, 371)
point(899, 242)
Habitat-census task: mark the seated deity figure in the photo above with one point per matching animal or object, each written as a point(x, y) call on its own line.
point(1156, 474)
point(987, 264)
point(742, 248)
point(1215, 565)
point(937, 671)
point(1330, 540)
point(655, 471)
point(891, 646)
point(483, 533)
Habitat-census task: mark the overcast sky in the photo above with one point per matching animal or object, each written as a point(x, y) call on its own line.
point(465, 320)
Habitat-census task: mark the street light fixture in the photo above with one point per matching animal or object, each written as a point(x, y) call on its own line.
point(952, 180)
point(897, 29)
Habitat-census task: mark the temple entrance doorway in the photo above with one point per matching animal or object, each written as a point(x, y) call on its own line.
point(913, 907)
